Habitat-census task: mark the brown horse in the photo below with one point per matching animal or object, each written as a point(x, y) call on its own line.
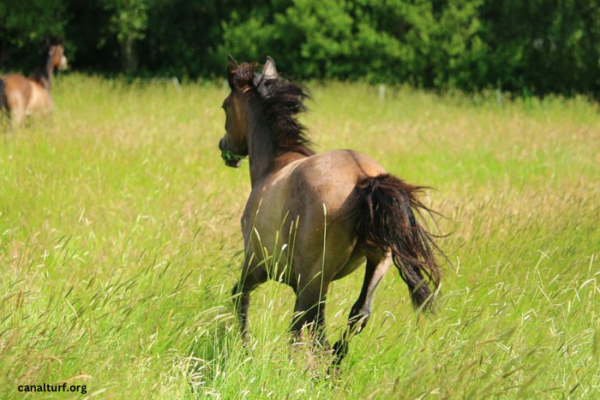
point(22, 96)
point(315, 218)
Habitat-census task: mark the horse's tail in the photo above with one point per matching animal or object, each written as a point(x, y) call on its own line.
point(387, 208)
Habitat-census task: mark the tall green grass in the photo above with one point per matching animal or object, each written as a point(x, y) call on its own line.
point(120, 242)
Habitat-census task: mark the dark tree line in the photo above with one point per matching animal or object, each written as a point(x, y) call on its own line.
point(533, 46)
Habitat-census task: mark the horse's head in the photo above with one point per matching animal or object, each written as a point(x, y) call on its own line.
point(242, 80)
point(57, 54)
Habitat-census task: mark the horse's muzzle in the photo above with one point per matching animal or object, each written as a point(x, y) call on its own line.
point(233, 163)
point(64, 64)
point(231, 159)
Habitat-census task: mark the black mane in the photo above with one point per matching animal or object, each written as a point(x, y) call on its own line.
point(283, 101)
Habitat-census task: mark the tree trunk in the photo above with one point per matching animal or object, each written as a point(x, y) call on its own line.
point(129, 56)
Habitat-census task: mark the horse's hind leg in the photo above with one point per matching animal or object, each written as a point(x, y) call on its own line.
point(309, 311)
point(253, 275)
point(376, 268)
point(16, 106)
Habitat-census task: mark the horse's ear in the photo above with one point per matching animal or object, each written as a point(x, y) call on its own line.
point(269, 73)
point(232, 65)
point(270, 70)
point(231, 69)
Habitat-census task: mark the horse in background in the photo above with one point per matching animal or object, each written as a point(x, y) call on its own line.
point(21, 96)
point(314, 218)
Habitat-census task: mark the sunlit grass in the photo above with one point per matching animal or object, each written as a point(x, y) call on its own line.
point(120, 240)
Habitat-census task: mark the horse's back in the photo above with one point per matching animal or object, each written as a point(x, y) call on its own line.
point(330, 178)
point(304, 187)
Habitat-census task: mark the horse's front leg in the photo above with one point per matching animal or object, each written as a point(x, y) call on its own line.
point(361, 310)
point(253, 275)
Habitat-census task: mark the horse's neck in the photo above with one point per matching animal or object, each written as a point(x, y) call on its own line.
point(44, 75)
point(265, 155)
point(262, 150)
point(49, 73)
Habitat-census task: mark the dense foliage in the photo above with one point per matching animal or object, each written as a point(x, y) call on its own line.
point(537, 46)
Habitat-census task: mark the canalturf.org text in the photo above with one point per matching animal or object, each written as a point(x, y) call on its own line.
point(45, 388)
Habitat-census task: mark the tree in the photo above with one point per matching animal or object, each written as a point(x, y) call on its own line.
point(128, 22)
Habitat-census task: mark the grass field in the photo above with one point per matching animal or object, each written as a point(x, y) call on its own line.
point(120, 242)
